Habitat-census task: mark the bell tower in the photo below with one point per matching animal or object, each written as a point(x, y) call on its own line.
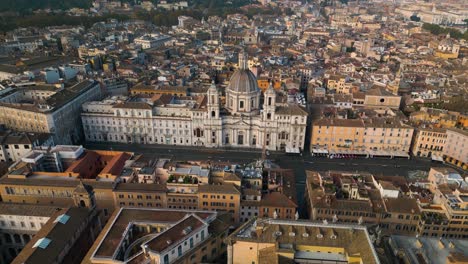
point(213, 101)
point(269, 105)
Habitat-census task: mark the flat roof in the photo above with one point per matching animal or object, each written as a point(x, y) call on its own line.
point(354, 239)
point(435, 249)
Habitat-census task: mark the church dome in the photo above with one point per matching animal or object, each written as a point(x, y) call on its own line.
point(243, 81)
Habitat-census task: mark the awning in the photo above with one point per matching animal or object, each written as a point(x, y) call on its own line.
point(320, 151)
point(292, 150)
point(349, 152)
point(400, 154)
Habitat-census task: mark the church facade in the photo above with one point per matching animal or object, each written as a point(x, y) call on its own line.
point(241, 122)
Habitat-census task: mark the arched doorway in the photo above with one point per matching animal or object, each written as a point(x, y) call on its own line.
point(240, 138)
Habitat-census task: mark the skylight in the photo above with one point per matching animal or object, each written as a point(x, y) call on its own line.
point(63, 219)
point(42, 243)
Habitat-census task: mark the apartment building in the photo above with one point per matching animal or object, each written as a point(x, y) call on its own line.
point(445, 215)
point(182, 195)
point(362, 199)
point(57, 176)
point(439, 118)
point(369, 137)
point(224, 197)
point(64, 238)
point(173, 236)
point(266, 240)
point(15, 145)
point(429, 142)
point(48, 109)
point(18, 224)
point(140, 195)
point(456, 148)
point(278, 206)
point(340, 84)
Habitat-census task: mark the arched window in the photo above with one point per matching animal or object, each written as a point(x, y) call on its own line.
point(269, 100)
point(7, 238)
point(82, 203)
point(198, 132)
point(213, 113)
point(17, 238)
point(269, 116)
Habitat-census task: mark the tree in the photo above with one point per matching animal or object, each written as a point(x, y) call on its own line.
point(171, 178)
point(415, 18)
point(437, 30)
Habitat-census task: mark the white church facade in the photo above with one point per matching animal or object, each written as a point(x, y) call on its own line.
point(241, 122)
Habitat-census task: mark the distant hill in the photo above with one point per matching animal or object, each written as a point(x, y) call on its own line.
point(31, 5)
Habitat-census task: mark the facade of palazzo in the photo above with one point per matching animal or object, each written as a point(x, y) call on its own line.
point(242, 122)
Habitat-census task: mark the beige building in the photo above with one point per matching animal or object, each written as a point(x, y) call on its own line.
point(456, 148)
point(370, 137)
point(364, 200)
point(225, 197)
point(56, 176)
point(446, 213)
point(340, 84)
point(19, 223)
point(64, 238)
point(429, 142)
point(48, 109)
point(379, 97)
point(285, 241)
point(165, 236)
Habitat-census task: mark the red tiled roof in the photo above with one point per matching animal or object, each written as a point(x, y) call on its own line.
point(110, 240)
point(116, 164)
point(277, 199)
point(83, 163)
point(175, 233)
